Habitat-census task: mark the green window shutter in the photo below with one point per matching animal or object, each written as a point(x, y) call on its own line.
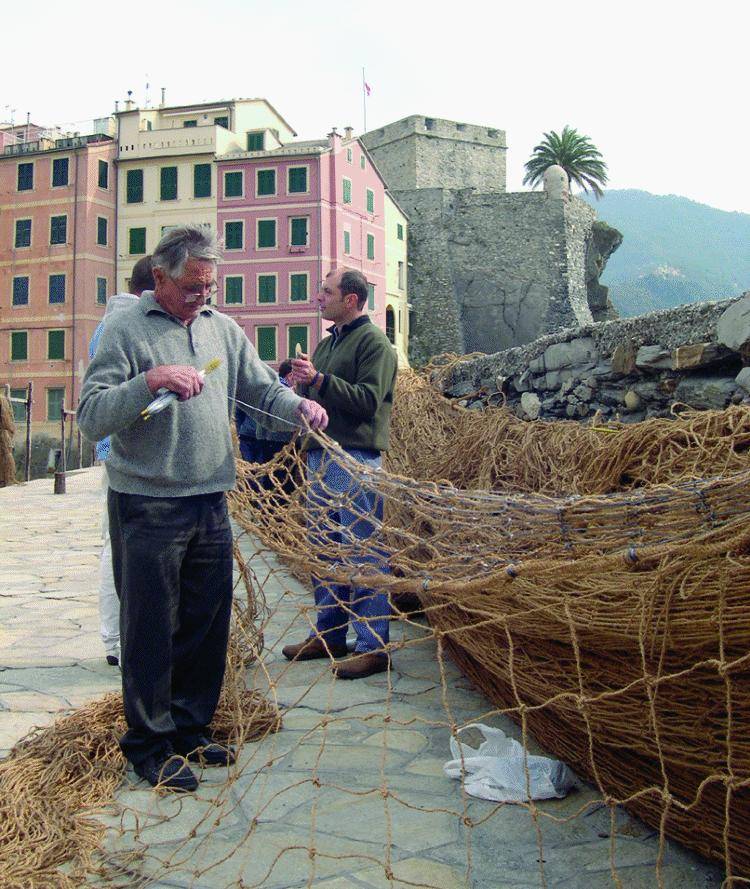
point(55, 345)
point(371, 296)
point(56, 288)
point(168, 177)
point(233, 290)
point(370, 201)
point(25, 177)
point(349, 155)
point(55, 399)
point(298, 288)
point(267, 233)
point(266, 339)
point(362, 161)
point(23, 233)
point(103, 174)
point(222, 122)
point(134, 187)
point(371, 246)
point(399, 231)
point(19, 345)
point(255, 141)
point(266, 288)
point(266, 182)
point(347, 242)
point(101, 231)
point(347, 191)
point(19, 410)
point(58, 230)
point(234, 235)
point(233, 185)
point(202, 180)
point(299, 232)
point(137, 241)
point(60, 167)
point(296, 334)
point(101, 291)
point(297, 180)
point(21, 291)
point(190, 123)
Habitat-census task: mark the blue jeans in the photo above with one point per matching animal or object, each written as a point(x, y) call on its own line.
point(345, 521)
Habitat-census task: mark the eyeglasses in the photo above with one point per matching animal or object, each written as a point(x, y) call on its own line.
point(207, 290)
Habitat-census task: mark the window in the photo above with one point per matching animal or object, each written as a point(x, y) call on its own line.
point(266, 233)
point(60, 167)
point(19, 345)
point(362, 161)
point(58, 229)
point(265, 339)
point(56, 289)
point(234, 235)
point(371, 246)
point(265, 182)
point(101, 291)
point(136, 241)
point(401, 275)
point(266, 288)
point(349, 155)
point(256, 141)
point(25, 177)
point(347, 241)
point(101, 231)
point(55, 401)
point(233, 286)
point(296, 335)
point(134, 188)
point(21, 290)
point(19, 410)
point(298, 287)
point(222, 122)
point(370, 296)
point(297, 180)
point(190, 123)
point(370, 201)
point(233, 185)
point(168, 184)
point(103, 174)
point(55, 345)
point(390, 324)
point(298, 231)
point(23, 233)
point(347, 191)
point(399, 231)
point(202, 181)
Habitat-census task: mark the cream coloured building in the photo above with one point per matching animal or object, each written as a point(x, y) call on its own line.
point(396, 301)
point(166, 171)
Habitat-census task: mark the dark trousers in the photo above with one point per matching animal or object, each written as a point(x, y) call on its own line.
point(172, 563)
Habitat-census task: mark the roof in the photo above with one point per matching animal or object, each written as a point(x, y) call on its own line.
point(193, 106)
point(291, 149)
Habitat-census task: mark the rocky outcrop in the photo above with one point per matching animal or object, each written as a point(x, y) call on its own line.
point(602, 243)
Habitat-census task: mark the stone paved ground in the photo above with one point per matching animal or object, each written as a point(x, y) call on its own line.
point(317, 783)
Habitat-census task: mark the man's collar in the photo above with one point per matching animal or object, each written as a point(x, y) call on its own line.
point(149, 304)
point(347, 328)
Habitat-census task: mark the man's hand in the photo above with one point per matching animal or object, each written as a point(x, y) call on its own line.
point(303, 371)
point(313, 413)
point(180, 378)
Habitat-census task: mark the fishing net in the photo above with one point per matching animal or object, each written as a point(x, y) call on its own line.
point(591, 582)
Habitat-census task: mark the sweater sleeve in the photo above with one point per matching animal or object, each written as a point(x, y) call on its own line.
point(376, 366)
point(113, 394)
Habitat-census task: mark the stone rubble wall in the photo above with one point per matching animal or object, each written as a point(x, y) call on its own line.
point(627, 369)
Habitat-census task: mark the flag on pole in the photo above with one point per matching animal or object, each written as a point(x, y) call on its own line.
point(367, 88)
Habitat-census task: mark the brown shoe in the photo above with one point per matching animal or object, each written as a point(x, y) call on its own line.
point(362, 665)
point(312, 648)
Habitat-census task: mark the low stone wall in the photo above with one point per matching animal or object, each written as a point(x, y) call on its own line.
point(627, 369)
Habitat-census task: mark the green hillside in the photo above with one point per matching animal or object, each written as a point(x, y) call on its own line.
point(674, 251)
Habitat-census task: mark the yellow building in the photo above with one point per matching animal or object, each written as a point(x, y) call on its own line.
point(396, 302)
point(166, 171)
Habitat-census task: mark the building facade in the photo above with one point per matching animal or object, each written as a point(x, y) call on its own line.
point(396, 279)
point(57, 233)
point(288, 216)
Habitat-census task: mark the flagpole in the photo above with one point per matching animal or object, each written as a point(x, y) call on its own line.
point(364, 101)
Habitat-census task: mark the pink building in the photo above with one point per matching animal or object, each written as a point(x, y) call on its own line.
point(57, 237)
point(288, 216)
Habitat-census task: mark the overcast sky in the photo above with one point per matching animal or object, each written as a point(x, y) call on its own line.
point(660, 88)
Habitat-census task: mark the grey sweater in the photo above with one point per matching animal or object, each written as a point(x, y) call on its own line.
point(187, 448)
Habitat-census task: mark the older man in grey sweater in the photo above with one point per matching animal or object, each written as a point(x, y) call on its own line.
point(171, 539)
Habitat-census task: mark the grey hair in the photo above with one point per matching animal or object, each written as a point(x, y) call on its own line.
point(182, 243)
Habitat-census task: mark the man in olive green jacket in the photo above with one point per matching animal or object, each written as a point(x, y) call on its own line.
point(352, 375)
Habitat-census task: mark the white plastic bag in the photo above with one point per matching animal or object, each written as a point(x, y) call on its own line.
point(495, 770)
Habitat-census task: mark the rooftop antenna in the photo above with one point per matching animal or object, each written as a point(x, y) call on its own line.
point(163, 95)
point(147, 97)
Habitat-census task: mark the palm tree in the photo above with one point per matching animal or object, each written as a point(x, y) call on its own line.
point(576, 154)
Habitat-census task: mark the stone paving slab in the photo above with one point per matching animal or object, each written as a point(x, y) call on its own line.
point(356, 773)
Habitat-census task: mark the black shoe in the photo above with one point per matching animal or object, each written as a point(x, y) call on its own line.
point(204, 750)
point(113, 660)
point(167, 772)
